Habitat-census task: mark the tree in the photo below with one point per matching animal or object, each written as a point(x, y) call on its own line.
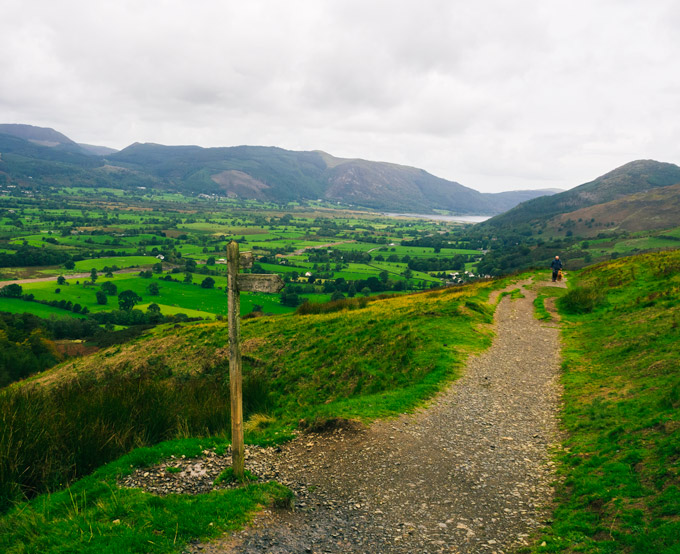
point(208, 283)
point(69, 264)
point(337, 295)
point(128, 299)
point(101, 297)
point(154, 289)
point(154, 313)
point(158, 268)
point(211, 260)
point(61, 280)
point(290, 299)
point(384, 275)
point(366, 291)
point(188, 277)
point(109, 288)
point(374, 284)
point(11, 291)
point(190, 265)
point(93, 275)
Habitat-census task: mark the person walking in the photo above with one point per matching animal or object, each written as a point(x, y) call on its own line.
point(556, 266)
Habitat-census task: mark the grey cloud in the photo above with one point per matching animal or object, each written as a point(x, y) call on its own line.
point(491, 94)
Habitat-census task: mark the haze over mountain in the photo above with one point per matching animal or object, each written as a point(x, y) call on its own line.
point(45, 157)
point(642, 194)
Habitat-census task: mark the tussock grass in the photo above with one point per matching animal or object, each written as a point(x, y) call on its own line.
point(621, 466)
point(50, 436)
point(581, 300)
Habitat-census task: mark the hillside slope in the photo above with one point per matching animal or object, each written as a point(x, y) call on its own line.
point(658, 208)
point(383, 356)
point(635, 177)
point(43, 136)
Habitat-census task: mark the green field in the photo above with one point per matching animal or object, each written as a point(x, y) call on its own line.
point(18, 306)
point(120, 261)
point(181, 296)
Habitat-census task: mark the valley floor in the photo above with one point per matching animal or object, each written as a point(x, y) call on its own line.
point(471, 473)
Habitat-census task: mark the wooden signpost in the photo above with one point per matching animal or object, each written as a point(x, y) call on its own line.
point(246, 282)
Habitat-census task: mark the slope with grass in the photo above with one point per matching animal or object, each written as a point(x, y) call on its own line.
point(635, 177)
point(621, 463)
point(658, 208)
point(376, 357)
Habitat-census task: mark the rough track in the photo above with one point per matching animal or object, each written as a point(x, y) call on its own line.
point(471, 473)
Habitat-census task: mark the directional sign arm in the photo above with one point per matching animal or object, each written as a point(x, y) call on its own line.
point(253, 282)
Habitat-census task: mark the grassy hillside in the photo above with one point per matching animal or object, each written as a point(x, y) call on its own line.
point(634, 177)
point(655, 209)
point(374, 358)
point(620, 468)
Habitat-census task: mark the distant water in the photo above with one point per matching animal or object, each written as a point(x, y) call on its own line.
point(438, 217)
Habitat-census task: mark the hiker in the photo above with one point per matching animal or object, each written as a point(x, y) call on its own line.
point(556, 266)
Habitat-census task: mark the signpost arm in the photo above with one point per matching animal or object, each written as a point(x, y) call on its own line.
point(235, 378)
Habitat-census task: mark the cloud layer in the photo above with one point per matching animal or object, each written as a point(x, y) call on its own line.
point(496, 95)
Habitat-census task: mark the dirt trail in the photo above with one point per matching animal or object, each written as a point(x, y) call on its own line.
point(470, 473)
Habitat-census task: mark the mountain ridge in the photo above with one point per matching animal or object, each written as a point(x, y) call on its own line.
point(43, 157)
point(634, 178)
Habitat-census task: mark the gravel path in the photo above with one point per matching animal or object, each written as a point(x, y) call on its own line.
point(471, 473)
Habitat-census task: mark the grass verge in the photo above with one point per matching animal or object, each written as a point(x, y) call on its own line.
point(620, 470)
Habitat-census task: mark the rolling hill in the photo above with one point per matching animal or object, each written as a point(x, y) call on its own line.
point(43, 157)
point(632, 191)
point(658, 208)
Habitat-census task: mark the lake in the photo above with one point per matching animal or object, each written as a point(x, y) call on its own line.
point(439, 217)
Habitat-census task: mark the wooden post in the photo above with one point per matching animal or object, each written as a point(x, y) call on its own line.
point(235, 378)
point(236, 283)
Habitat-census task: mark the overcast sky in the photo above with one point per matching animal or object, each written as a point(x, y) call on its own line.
point(494, 94)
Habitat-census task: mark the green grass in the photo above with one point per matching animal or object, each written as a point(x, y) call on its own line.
point(173, 310)
point(18, 306)
point(120, 261)
point(95, 515)
point(181, 297)
point(620, 469)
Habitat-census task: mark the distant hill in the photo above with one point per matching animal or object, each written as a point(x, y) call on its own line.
point(658, 208)
point(39, 156)
point(610, 193)
point(43, 136)
point(274, 174)
point(97, 150)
